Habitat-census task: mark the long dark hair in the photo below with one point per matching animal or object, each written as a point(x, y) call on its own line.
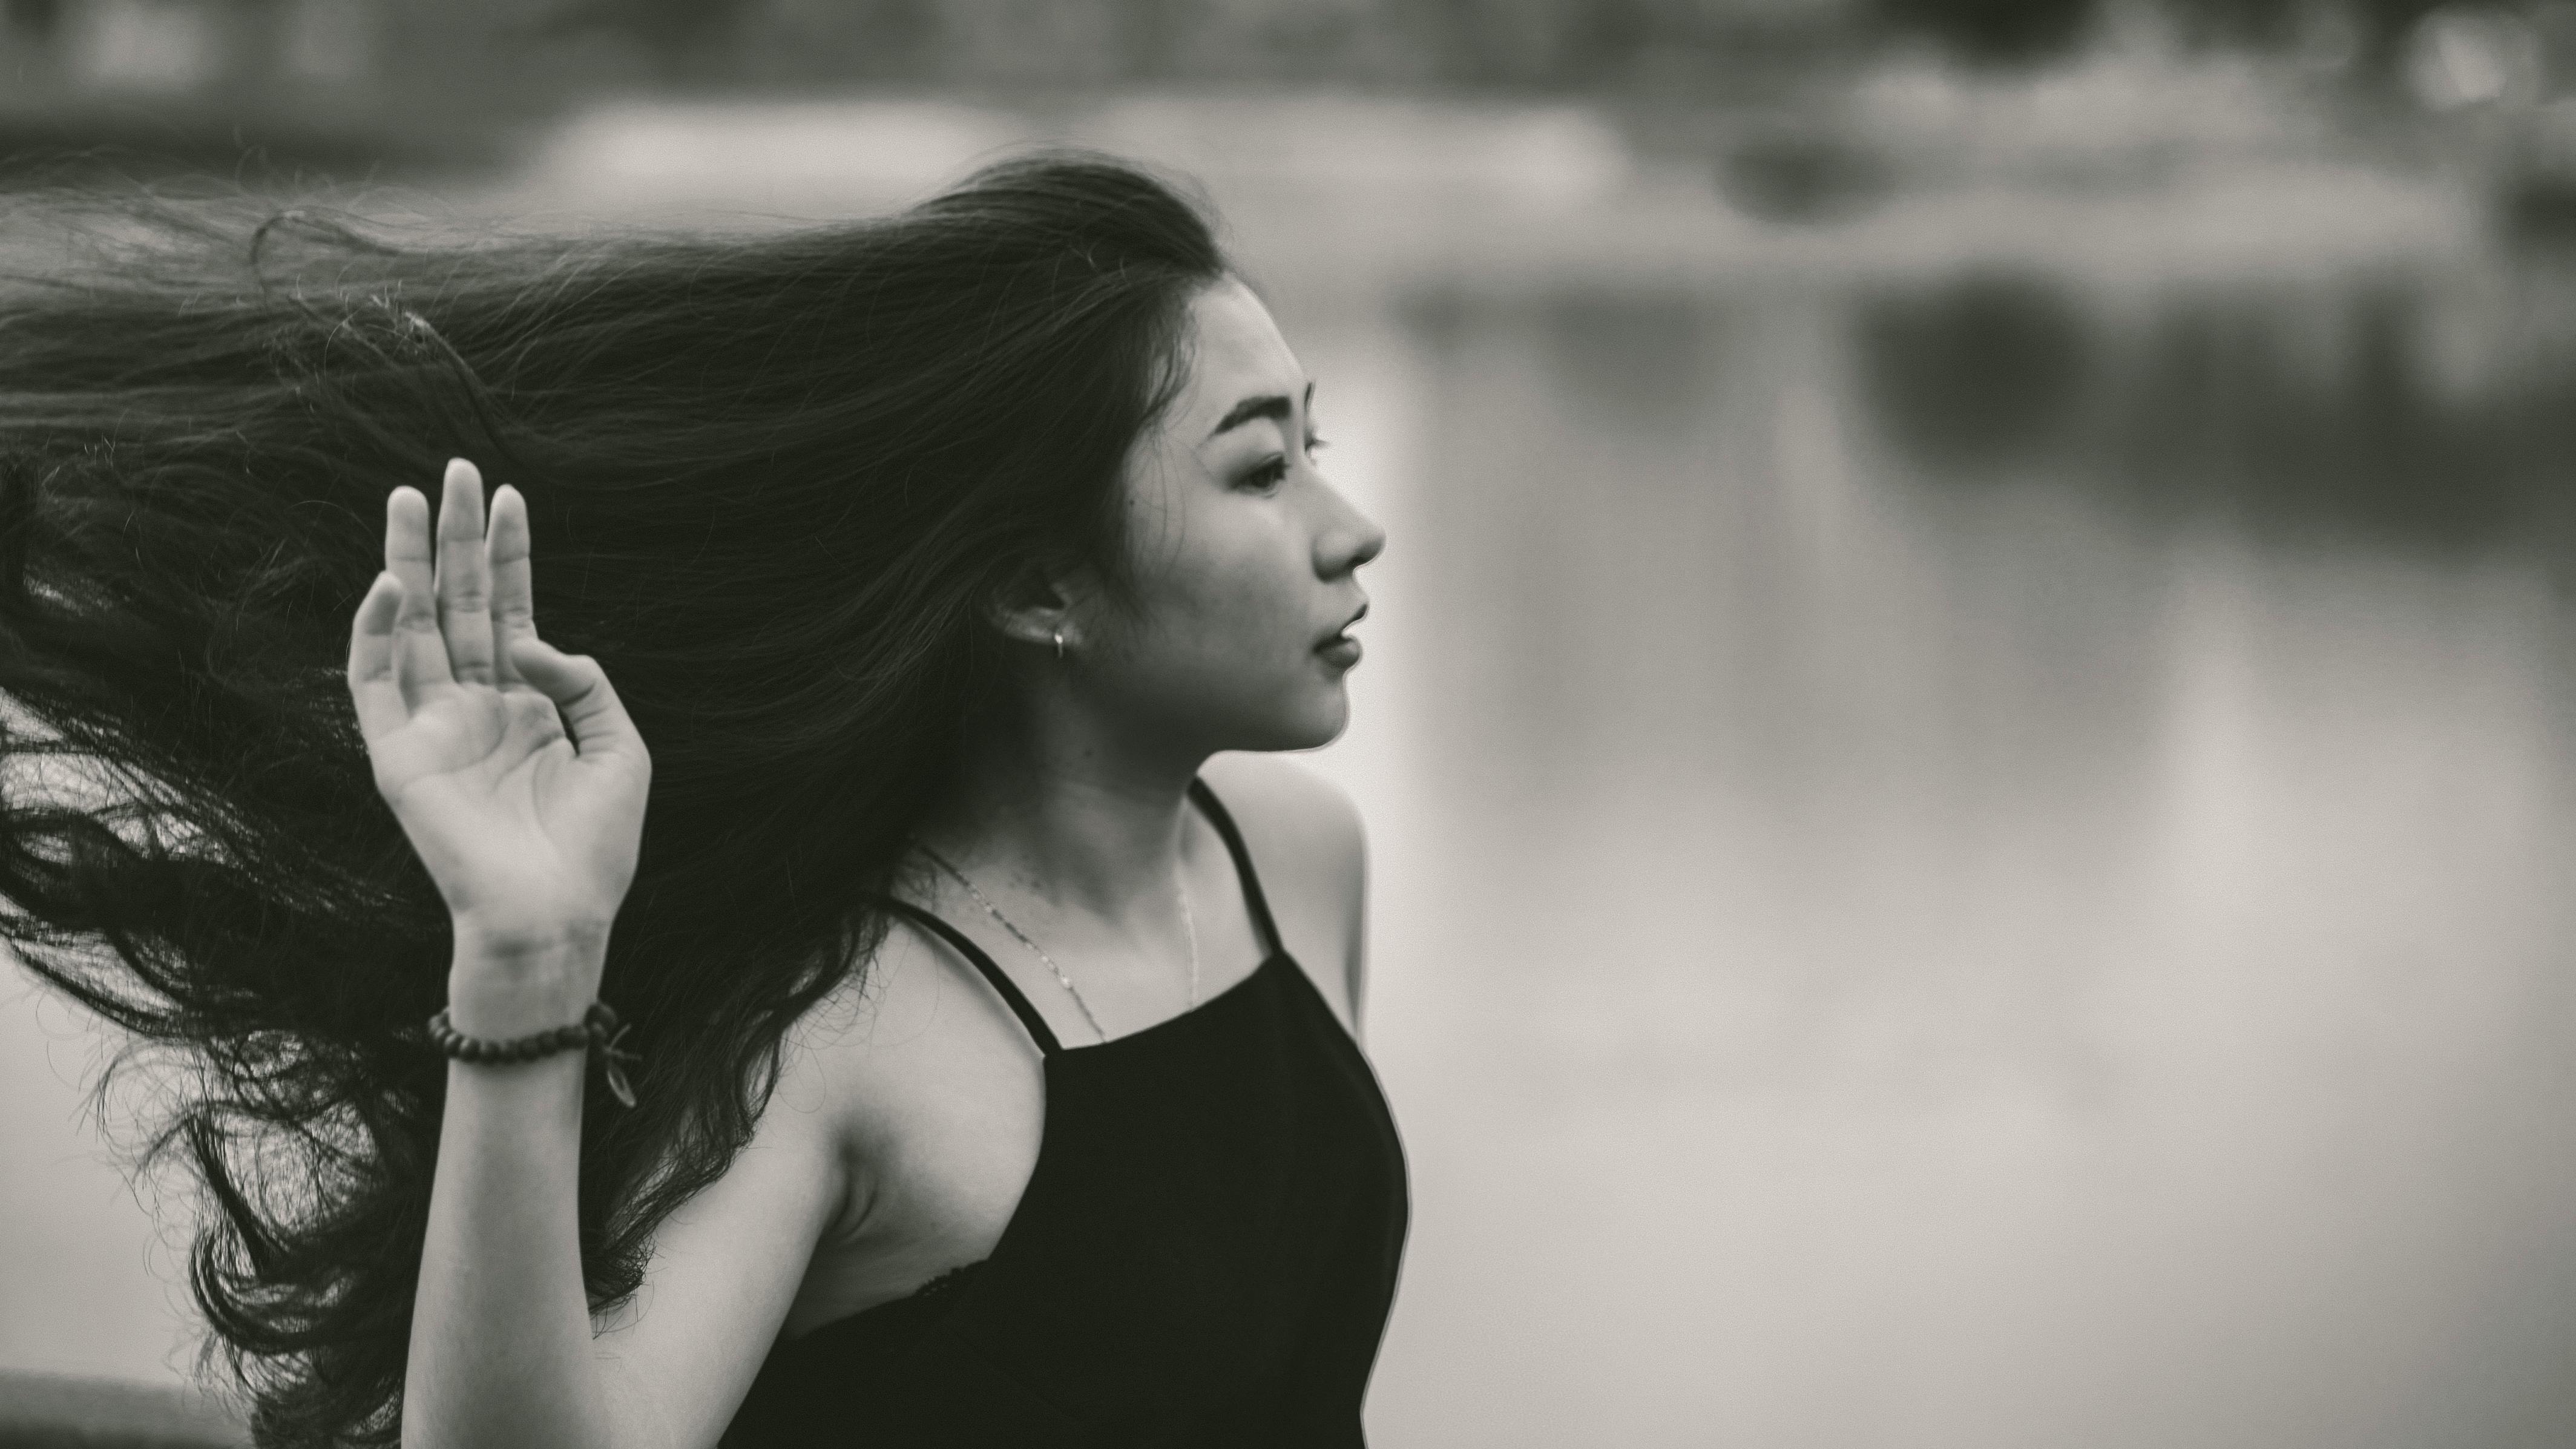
point(771, 482)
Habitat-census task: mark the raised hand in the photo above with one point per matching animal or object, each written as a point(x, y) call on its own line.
point(512, 766)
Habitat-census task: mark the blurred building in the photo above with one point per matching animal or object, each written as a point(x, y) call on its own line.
point(208, 81)
point(447, 54)
point(368, 87)
point(312, 48)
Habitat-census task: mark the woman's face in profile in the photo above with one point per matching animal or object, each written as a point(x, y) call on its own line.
point(1243, 555)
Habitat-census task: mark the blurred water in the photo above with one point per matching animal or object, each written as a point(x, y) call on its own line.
point(1934, 889)
point(1966, 847)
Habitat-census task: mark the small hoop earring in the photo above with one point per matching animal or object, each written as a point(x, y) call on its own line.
point(1059, 646)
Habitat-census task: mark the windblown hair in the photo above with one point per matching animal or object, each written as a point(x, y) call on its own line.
point(772, 483)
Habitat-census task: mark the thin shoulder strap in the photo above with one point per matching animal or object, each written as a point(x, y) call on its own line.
point(1039, 1031)
point(1252, 896)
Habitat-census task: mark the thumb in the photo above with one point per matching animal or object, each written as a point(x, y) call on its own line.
point(592, 713)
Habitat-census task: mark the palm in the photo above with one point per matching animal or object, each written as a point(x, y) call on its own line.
point(529, 832)
point(493, 770)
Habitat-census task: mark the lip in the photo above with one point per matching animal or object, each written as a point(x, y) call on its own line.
point(1344, 628)
point(1338, 647)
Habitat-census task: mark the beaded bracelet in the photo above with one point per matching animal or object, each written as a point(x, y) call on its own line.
point(598, 1029)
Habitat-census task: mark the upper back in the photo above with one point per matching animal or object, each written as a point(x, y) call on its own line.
point(909, 1118)
point(938, 1089)
point(1201, 1242)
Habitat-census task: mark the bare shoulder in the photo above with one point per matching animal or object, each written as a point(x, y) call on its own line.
point(933, 1099)
point(1295, 804)
point(1309, 844)
point(897, 1051)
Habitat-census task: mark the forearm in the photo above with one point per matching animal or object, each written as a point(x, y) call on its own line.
point(501, 1349)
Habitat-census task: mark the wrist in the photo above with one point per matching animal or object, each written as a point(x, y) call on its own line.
point(511, 996)
point(513, 944)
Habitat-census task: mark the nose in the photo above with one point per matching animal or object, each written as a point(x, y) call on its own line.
point(1348, 539)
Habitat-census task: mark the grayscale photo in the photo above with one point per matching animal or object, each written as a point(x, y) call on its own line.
point(1287, 724)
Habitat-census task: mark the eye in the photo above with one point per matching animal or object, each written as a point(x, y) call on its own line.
point(1274, 471)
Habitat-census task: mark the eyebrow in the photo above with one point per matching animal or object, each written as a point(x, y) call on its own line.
point(1269, 405)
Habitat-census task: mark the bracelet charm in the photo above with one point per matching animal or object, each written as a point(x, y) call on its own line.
point(599, 1030)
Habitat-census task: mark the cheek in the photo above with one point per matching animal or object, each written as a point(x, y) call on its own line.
point(1223, 647)
point(1232, 612)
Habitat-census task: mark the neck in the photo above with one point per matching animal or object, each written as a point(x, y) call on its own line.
point(1050, 801)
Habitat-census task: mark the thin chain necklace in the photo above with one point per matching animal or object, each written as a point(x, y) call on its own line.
point(1188, 924)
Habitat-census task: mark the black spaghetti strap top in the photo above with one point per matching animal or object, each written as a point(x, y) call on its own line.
point(1204, 1255)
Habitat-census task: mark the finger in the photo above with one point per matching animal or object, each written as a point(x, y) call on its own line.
point(514, 610)
point(420, 655)
point(372, 686)
point(463, 576)
point(407, 555)
point(593, 714)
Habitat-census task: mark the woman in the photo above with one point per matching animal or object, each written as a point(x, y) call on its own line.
point(989, 1031)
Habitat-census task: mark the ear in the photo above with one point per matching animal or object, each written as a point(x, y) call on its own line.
point(1036, 604)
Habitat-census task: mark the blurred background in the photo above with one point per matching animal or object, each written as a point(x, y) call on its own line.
point(1968, 734)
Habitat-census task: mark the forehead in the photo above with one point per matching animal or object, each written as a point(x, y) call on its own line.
point(1235, 352)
